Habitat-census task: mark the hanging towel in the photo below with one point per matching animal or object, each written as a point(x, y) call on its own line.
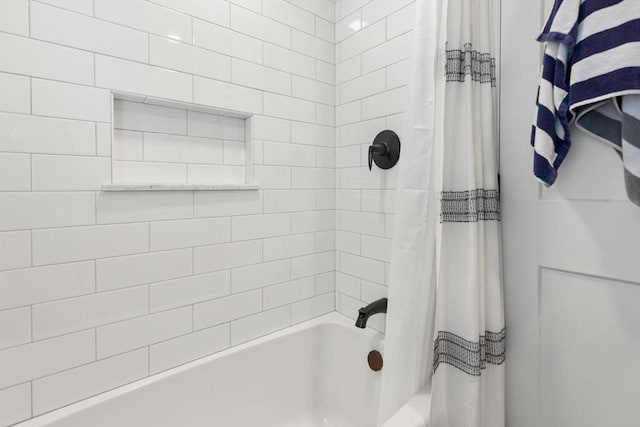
point(590, 76)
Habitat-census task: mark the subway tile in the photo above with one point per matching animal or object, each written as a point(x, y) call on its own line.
point(312, 134)
point(225, 95)
point(384, 104)
point(289, 108)
point(133, 77)
point(225, 256)
point(260, 27)
point(259, 77)
point(361, 222)
point(259, 275)
point(349, 69)
point(204, 125)
point(312, 90)
point(75, 314)
point(15, 172)
point(364, 86)
point(312, 46)
point(181, 149)
point(133, 270)
point(401, 21)
point(325, 157)
point(14, 17)
point(16, 93)
point(15, 327)
point(172, 54)
point(377, 248)
point(348, 242)
point(271, 129)
point(260, 324)
point(348, 6)
point(65, 173)
point(255, 5)
point(187, 233)
point(381, 201)
point(140, 332)
point(225, 309)
point(289, 61)
point(288, 246)
point(312, 178)
point(348, 25)
point(312, 264)
point(189, 290)
point(369, 37)
point(312, 307)
point(114, 207)
point(260, 226)
point(325, 282)
point(42, 210)
point(227, 203)
point(233, 129)
point(35, 360)
point(215, 174)
point(349, 113)
point(145, 16)
point(348, 285)
point(151, 118)
point(84, 32)
point(270, 177)
point(361, 178)
point(70, 101)
point(80, 383)
point(40, 59)
point(309, 222)
point(325, 72)
point(289, 200)
point(288, 292)
point(226, 41)
point(361, 132)
point(43, 284)
point(289, 14)
point(216, 11)
point(127, 172)
point(103, 139)
point(349, 156)
point(371, 292)
point(325, 241)
point(127, 145)
point(286, 154)
point(84, 243)
point(398, 74)
point(348, 199)
point(81, 6)
point(387, 53)
point(31, 134)
point(15, 404)
point(325, 115)
point(322, 8)
point(324, 30)
point(364, 268)
point(189, 347)
point(380, 9)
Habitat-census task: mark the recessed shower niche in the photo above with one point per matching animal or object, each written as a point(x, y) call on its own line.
point(159, 144)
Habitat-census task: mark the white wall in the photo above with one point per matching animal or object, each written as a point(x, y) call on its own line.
point(572, 280)
point(373, 44)
point(100, 289)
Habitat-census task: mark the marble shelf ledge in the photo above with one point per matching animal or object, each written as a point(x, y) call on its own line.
point(179, 187)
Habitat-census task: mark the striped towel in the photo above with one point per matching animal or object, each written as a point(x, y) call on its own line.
point(590, 76)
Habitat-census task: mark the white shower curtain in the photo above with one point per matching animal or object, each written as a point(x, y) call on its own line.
point(445, 325)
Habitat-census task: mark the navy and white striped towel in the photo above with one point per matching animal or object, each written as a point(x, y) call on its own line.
point(590, 75)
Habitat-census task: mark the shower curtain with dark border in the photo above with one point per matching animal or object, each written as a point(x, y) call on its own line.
point(469, 334)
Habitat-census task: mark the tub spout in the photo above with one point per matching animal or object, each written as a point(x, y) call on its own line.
point(378, 306)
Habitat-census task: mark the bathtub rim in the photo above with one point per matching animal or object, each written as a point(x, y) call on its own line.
point(332, 318)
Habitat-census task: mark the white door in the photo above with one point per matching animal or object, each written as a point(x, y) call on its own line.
point(571, 262)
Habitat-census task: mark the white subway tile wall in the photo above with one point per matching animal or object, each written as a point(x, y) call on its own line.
point(373, 46)
point(100, 289)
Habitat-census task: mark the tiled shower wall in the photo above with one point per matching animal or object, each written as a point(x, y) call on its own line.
point(99, 289)
point(373, 44)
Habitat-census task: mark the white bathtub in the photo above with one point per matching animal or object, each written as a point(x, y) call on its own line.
point(313, 374)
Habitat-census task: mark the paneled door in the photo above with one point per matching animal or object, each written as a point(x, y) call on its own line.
point(571, 262)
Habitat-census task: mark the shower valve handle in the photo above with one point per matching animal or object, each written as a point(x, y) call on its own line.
point(379, 149)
